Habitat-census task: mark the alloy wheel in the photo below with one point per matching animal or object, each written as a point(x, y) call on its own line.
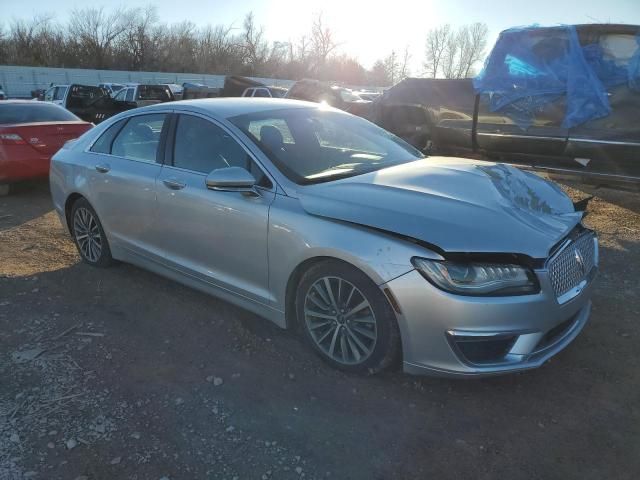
point(340, 320)
point(87, 234)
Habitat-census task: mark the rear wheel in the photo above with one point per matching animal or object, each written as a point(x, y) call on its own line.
point(346, 318)
point(89, 235)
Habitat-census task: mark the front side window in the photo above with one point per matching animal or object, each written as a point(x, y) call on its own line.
point(48, 95)
point(324, 145)
point(130, 94)
point(59, 93)
point(121, 95)
point(202, 146)
point(140, 137)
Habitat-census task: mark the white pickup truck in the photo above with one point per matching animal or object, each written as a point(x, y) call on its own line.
point(266, 92)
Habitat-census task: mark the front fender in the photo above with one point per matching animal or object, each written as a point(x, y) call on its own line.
point(296, 237)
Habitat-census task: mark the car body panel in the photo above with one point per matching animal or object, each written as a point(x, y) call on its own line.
point(504, 209)
point(424, 305)
point(223, 239)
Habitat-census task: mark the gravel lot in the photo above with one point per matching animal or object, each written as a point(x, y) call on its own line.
point(121, 374)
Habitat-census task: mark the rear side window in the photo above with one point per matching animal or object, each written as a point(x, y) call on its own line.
point(154, 92)
point(38, 112)
point(103, 144)
point(139, 138)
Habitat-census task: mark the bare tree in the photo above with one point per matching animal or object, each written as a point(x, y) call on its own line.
point(473, 47)
point(323, 43)
point(454, 53)
point(217, 50)
point(254, 46)
point(137, 39)
point(436, 44)
point(404, 71)
point(96, 31)
point(133, 39)
point(391, 66)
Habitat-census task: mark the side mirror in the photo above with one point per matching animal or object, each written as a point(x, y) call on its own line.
point(231, 179)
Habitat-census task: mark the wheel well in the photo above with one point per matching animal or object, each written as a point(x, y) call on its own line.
point(294, 280)
point(68, 205)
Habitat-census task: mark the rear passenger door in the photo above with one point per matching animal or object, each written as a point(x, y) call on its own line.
point(123, 170)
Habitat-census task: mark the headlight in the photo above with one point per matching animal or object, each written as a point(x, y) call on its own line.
point(477, 278)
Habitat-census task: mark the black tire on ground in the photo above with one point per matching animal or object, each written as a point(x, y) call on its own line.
point(384, 351)
point(81, 208)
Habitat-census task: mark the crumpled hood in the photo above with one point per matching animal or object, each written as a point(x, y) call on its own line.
point(456, 204)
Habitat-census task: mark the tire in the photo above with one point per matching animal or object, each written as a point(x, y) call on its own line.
point(351, 337)
point(89, 235)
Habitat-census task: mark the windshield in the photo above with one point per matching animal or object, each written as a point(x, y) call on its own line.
point(312, 145)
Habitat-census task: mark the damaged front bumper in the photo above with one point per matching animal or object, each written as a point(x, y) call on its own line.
point(451, 335)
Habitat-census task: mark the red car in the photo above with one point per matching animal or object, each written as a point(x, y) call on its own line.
point(30, 133)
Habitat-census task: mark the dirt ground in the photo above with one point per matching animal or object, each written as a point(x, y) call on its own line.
point(121, 374)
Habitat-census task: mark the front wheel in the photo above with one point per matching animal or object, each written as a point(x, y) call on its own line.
point(346, 318)
point(89, 235)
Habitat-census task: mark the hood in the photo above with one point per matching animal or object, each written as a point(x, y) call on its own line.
point(458, 205)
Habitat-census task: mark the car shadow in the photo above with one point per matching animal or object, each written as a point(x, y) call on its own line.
point(25, 202)
point(628, 199)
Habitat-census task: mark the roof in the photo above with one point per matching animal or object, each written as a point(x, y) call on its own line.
point(227, 107)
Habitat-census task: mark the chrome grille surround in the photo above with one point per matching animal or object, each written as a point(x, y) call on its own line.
point(570, 268)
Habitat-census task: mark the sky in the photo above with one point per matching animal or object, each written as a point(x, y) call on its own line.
point(368, 30)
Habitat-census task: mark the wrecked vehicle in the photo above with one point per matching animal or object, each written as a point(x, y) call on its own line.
point(565, 99)
point(192, 91)
point(265, 92)
point(90, 103)
point(320, 220)
point(333, 95)
point(134, 96)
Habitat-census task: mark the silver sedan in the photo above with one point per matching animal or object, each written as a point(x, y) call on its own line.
point(320, 221)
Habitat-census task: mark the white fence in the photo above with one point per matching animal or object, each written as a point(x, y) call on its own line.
point(20, 81)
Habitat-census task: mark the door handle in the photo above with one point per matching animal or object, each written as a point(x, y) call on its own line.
point(103, 167)
point(174, 184)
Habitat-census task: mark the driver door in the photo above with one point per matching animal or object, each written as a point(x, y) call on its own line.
point(219, 237)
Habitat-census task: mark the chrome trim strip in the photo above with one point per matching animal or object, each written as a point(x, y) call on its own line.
point(522, 137)
point(605, 142)
point(584, 173)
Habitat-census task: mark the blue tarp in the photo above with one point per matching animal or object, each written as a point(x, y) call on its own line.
point(531, 67)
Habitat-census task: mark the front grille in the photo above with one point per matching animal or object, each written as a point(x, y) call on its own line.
point(573, 263)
